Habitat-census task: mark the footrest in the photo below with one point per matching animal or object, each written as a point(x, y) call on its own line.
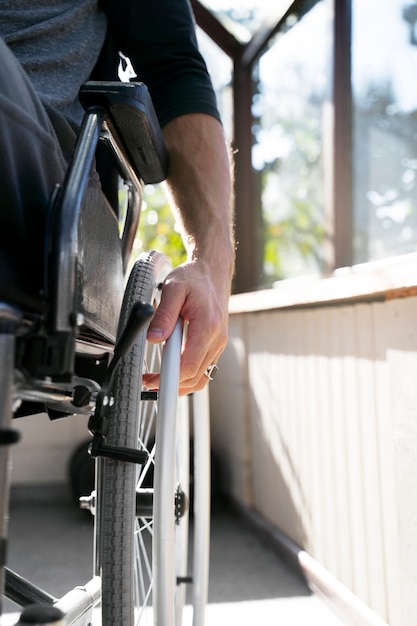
point(130, 110)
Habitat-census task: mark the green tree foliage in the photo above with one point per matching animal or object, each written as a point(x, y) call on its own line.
point(157, 228)
point(291, 190)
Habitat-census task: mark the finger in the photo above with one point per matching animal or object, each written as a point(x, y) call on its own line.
point(195, 385)
point(151, 381)
point(186, 385)
point(206, 375)
point(167, 314)
point(203, 347)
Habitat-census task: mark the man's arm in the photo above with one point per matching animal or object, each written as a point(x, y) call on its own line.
point(201, 189)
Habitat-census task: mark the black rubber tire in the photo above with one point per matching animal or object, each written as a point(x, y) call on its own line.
point(115, 480)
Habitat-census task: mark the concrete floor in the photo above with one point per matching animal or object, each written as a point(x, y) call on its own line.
point(249, 584)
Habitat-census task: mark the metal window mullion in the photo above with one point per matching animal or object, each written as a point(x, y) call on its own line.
point(342, 136)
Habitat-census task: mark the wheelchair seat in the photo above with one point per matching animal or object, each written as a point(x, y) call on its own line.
point(99, 271)
point(30, 275)
point(76, 299)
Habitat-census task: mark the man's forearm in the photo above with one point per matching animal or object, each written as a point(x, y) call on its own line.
point(198, 291)
point(200, 182)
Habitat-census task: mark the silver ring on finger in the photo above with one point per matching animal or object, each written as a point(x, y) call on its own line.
point(211, 371)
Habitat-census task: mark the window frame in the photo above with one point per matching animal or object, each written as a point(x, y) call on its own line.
point(337, 147)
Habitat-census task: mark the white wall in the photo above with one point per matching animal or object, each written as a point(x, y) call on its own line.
point(314, 415)
point(43, 453)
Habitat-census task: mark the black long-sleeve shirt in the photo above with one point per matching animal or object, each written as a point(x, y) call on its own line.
point(159, 38)
point(63, 43)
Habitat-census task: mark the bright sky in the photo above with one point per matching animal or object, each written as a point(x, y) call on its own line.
point(382, 51)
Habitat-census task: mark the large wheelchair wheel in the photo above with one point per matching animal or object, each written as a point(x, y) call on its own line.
point(142, 511)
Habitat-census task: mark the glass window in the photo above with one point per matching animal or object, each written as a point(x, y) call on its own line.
point(384, 70)
point(292, 80)
point(244, 17)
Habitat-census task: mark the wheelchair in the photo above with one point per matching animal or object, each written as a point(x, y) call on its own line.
point(79, 347)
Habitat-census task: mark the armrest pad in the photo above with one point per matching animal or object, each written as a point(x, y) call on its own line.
point(130, 110)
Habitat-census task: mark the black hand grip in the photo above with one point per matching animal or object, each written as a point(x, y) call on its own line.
point(141, 313)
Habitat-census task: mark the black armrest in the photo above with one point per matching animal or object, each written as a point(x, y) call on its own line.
point(130, 110)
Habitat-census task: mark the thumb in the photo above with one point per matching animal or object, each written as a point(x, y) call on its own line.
point(163, 322)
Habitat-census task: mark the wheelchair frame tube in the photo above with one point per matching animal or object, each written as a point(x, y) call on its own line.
point(9, 320)
point(75, 186)
point(134, 186)
point(94, 128)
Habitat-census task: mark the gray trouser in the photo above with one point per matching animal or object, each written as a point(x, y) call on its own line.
point(32, 163)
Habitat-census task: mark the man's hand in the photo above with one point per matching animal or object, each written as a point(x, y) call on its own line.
point(193, 292)
point(198, 291)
